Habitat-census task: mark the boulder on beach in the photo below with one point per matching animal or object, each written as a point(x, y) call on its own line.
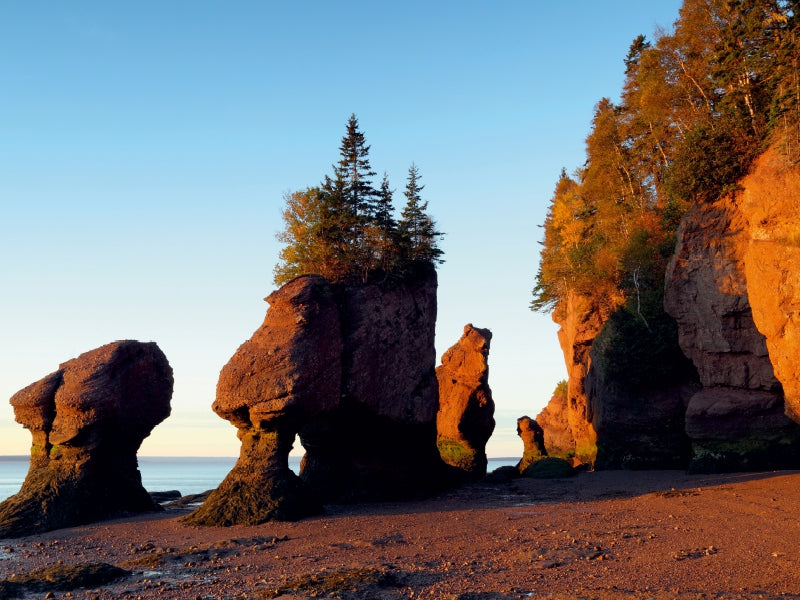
point(465, 419)
point(88, 420)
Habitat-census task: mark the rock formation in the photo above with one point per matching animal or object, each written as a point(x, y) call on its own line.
point(465, 420)
point(638, 385)
point(351, 369)
point(287, 372)
point(581, 319)
point(88, 420)
point(554, 422)
point(737, 420)
point(532, 436)
point(379, 442)
point(770, 201)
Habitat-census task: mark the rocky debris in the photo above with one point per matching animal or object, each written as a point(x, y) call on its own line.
point(379, 442)
point(532, 436)
point(554, 421)
point(465, 420)
point(287, 372)
point(736, 421)
point(87, 421)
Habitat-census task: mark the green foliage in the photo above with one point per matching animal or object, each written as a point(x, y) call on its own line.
point(345, 229)
point(561, 389)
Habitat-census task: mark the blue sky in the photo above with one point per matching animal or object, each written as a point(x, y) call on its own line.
point(145, 149)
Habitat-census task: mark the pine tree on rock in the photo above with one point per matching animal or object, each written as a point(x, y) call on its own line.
point(418, 234)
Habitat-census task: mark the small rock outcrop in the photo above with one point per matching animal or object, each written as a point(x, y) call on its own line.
point(88, 420)
point(737, 421)
point(287, 372)
point(465, 420)
point(532, 436)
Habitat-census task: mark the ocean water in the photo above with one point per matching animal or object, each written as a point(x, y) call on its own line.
point(187, 474)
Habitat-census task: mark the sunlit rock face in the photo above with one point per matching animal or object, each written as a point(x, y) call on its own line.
point(287, 372)
point(465, 419)
point(720, 267)
point(770, 202)
point(554, 422)
point(88, 420)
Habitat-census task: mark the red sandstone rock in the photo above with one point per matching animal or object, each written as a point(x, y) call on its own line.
point(554, 421)
point(708, 292)
point(287, 372)
point(379, 443)
point(88, 420)
point(465, 419)
point(770, 201)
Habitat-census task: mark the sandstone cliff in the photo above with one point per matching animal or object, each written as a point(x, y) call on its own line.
point(554, 422)
point(88, 420)
point(465, 420)
point(737, 420)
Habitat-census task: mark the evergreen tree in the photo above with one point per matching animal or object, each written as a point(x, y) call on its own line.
point(418, 234)
point(345, 229)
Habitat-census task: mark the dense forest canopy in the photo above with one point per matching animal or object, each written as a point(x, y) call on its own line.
point(345, 229)
point(698, 105)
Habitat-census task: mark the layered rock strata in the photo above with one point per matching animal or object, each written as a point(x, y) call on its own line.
point(465, 420)
point(88, 420)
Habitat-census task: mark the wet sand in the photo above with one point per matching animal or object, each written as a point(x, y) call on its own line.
point(607, 535)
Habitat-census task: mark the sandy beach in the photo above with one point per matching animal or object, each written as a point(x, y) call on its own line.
point(615, 534)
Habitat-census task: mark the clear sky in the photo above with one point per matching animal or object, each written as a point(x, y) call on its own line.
point(145, 148)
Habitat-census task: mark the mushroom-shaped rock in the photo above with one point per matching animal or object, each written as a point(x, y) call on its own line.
point(532, 436)
point(465, 420)
point(88, 420)
point(287, 372)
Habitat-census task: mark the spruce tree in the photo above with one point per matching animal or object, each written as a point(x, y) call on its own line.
point(417, 230)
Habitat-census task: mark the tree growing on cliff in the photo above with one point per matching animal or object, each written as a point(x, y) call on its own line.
point(345, 229)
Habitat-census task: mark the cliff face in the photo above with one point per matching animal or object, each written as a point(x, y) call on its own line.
point(770, 202)
point(554, 422)
point(730, 254)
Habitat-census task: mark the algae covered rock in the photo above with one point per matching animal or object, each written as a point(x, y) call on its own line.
point(88, 420)
point(549, 468)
